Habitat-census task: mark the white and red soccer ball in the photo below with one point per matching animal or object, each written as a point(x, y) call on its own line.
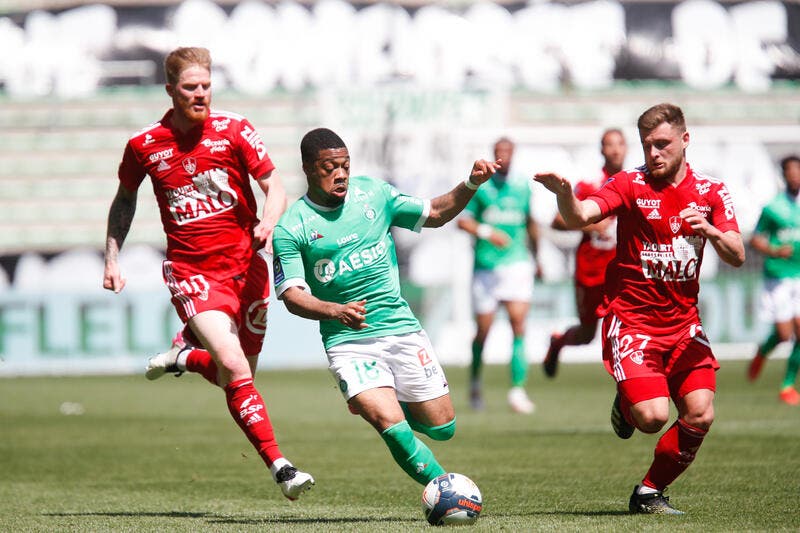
point(451, 499)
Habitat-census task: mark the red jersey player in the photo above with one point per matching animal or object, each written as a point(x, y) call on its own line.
point(200, 162)
point(596, 249)
point(653, 342)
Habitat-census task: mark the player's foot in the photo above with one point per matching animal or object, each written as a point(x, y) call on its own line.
point(621, 426)
point(519, 402)
point(653, 503)
point(790, 396)
point(475, 396)
point(166, 362)
point(550, 363)
point(293, 482)
point(755, 367)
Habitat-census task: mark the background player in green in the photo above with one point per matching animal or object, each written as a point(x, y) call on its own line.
point(499, 217)
point(335, 262)
point(777, 236)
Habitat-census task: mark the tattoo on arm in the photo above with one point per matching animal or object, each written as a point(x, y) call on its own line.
point(120, 217)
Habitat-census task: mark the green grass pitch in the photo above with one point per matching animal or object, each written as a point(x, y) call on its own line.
point(165, 456)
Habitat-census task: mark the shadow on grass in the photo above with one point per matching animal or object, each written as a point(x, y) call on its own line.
point(216, 519)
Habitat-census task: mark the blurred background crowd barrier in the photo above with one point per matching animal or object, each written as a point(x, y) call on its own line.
point(418, 90)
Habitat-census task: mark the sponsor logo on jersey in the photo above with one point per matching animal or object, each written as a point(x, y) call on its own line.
point(672, 262)
point(315, 235)
point(189, 165)
point(675, 223)
point(727, 202)
point(326, 269)
point(654, 215)
point(162, 166)
point(277, 268)
point(220, 125)
point(148, 139)
point(209, 194)
point(648, 203)
point(703, 187)
point(424, 358)
point(702, 209)
point(216, 146)
point(163, 154)
point(254, 139)
point(639, 180)
point(256, 319)
point(346, 239)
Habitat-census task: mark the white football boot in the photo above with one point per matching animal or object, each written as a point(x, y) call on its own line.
point(293, 482)
point(166, 362)
point(519, 402)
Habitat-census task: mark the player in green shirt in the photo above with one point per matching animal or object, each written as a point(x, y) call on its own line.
point(777, 236)
point(499, 217)
point(335, 262)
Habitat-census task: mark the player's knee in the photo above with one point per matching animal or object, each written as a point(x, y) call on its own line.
point(650, 421)
point(700, 420)
point(443, 432)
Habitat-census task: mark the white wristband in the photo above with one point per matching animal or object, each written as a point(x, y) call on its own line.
point(470, 185)
point(484, 231)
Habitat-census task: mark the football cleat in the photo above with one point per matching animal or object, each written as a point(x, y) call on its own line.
point(653, 503)
point(790, 396)
point(755, 367)
point(166, 362)
point(621, 426)
point(475, 396)
point(550, 363)
point(519, 402)
point(293, 482)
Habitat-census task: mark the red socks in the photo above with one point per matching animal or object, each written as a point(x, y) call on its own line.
point(200, 361)
point(674, 453)
point(248, 410)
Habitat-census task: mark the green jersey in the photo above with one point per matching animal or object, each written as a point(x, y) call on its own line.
point(504, 204)
point(780, 224)
point(346, 254)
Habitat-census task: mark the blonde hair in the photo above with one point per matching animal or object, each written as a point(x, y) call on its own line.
point(658, 114)
point(182, 58)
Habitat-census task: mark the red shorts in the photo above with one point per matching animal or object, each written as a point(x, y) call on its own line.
point(244, 297)
point(587, 299)
point(647, 366)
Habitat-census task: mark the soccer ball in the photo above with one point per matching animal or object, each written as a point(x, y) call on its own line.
point(451, 499)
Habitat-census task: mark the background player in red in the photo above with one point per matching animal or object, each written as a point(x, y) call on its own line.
point(200, 162)
point(653, 341)
point(596, 249)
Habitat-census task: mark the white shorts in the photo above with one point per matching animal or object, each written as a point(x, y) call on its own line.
point(780, 301)
point(507, 283)
point(407, 363)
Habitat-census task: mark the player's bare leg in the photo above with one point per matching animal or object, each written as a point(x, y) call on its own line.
point(483, 323)
point(518, 398)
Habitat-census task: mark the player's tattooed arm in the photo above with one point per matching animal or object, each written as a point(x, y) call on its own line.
point(120, 217)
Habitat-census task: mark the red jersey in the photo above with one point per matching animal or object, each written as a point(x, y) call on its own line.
point(595, 251)
point(200, 179)
point(653, 280)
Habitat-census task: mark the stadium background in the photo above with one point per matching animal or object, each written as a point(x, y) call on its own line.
point(418, 90)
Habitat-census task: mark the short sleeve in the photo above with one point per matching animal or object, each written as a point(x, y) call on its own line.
point(723, 215)
point(407, 211)
point(130, 172)
point(287, 262)
point(611, 196)
point(253, 151)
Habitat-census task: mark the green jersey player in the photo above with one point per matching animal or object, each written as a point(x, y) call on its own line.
point(777, 237)
point(335, 262)
point(499, 217)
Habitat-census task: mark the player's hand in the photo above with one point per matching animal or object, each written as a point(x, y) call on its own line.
point(697, 221)
point(784, 251)
point(553, 182)
point(112, 279)
point(262, 237)
point(539, 274)
point(353, 314)
point(499, 238)
point(482, 170)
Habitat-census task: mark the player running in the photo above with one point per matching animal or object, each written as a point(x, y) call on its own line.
point(596, 249)
point(335, 262)
point(654, 345)
point(198, 161)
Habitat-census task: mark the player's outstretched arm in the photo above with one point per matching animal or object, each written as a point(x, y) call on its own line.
point(445, 207)
point(120, 217)
point(574, 212)
point(302, 303)
point(274, 206)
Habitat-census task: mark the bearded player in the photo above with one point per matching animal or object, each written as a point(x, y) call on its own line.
point(335, 262)
point(654, 345)
point(200, 162)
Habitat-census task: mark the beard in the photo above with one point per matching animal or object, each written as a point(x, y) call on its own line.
point(669, 169)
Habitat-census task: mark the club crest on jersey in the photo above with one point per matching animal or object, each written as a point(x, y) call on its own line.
point(637, 357)
point(675, 224)
point(369, 212)
point(189, 165)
